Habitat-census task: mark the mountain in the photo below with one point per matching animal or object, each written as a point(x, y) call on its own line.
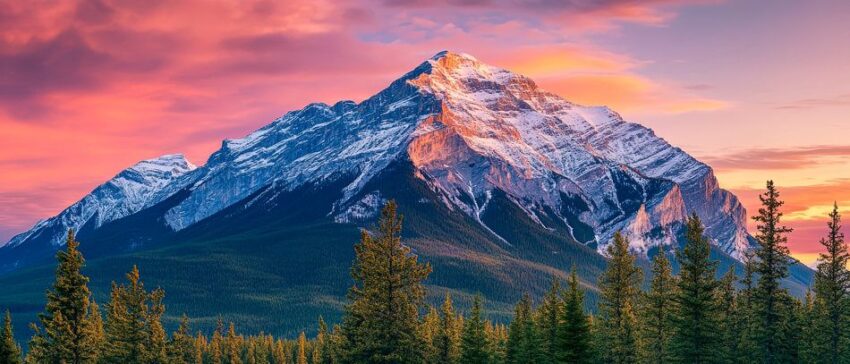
point(127, 193)
point(502, 184)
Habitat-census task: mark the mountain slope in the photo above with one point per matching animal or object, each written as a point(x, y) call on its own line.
point(129, 192)
point(503, 185)
point(472, 128)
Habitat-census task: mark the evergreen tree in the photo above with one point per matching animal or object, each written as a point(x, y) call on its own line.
point(429, 333)
point(573, 344)
point(232, 346)
point(127, 336)
point(302, 349)
point(746, 348)
point(99, 333)
point(216, 344)
point(157, 346)
point(618, 296)
point(523, 345)
point(323, 344)
point(448, 335)
point(182, 346)
point(832, 284)
point(790, 325)
point(809, 350)
point(473, 347)
point(67, 334)
point(548, 315)
point(381, 320)
point(37, 353)
point(696, 321)
point(771, 267)
point(658, 307)
point(497, 342)
point(10, 351)
point(730, 318)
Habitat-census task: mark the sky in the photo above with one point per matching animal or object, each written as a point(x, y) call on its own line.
point(758, 90)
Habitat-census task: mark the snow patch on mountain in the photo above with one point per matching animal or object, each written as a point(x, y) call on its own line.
point(128, 192)
point(469, 129)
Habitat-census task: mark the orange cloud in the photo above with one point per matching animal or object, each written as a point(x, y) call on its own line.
point(91, 86)
point(805, 210)
point(594, 77)
point(776, 158)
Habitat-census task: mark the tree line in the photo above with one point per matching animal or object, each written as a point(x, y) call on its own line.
point(691, 317)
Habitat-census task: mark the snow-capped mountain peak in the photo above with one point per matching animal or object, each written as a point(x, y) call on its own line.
point(470, 131)
point(128, 192)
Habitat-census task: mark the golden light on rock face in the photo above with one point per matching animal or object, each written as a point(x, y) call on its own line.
point(76, 101)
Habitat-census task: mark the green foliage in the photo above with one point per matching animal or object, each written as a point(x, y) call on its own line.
point(691, 318)
point(474, 346)
point(10, 351)
point(133, 331)
point(181, 349)
point(658, 308)
point(573, 341)
point(830, 310)
point(747, 349)
point(769, 297)
point(729, 318)
point(68, 333)
point(524, 343)
point(619, 286)
point(547, 316)
point(382, 318)
point(697, 318)
point(448, 335)
point(810, 350)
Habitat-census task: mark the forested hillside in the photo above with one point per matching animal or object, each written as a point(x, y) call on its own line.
point(692, 316)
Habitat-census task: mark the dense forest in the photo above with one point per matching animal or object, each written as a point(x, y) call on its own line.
point(689, 317)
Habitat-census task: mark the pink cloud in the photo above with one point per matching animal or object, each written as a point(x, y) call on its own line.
point(89, 87)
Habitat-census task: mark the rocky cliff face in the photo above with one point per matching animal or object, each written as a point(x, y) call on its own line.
point(469, 130)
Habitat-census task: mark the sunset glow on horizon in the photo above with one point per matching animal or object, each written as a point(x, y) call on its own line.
point(88, 87)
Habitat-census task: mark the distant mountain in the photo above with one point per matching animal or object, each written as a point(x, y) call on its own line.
point(503, 185)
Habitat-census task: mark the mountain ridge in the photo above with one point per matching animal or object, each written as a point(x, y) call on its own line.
point(469, 129)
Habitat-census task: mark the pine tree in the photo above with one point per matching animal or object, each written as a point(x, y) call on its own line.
point(215, 348)
point(201, 347)
point(810, 352)
point(429, 331)
point(658, 307)
point(127, 336)
point(497, 342)
point(746, 347)
point(37, 353)
point(232, 347)
point(448, 335)
point(771, 267)
point(181, 349)
point(302, 349)
point(157, 345)
point(67, 333)
point(524, 343)
point(696, 321)
point(10, 351)
point(381, 320)
point(473, 347)
point(730, 318)
point(618, 297)
point(832, 284)
point(98, 332)
point(573, 343)
point(548, 314)
point(323, 344)
point(790, 325)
